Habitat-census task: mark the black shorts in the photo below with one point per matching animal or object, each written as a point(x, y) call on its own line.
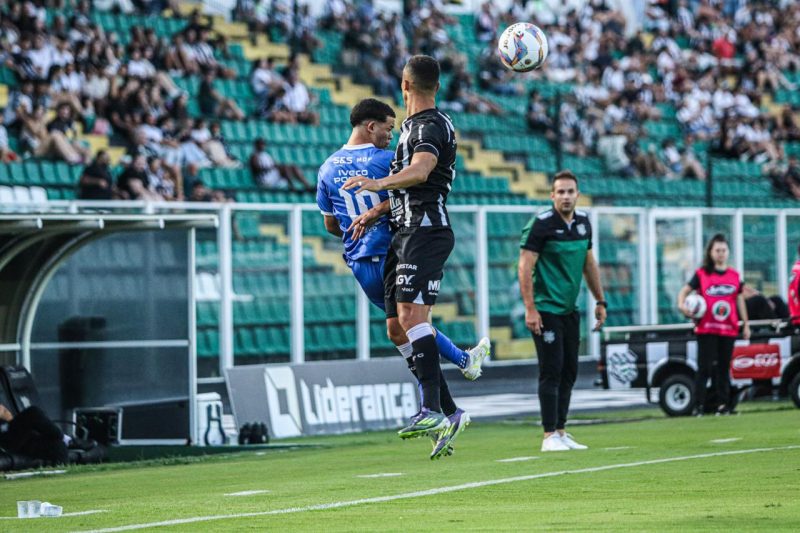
point(415, 266)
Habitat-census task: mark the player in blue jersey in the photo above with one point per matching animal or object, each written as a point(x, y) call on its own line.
point(365, 156)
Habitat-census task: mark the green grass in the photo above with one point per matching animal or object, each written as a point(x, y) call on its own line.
point(743, 492)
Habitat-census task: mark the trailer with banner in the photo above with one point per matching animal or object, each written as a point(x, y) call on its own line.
point(664, 357)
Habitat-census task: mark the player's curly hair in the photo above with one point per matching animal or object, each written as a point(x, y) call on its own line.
point(370, 109)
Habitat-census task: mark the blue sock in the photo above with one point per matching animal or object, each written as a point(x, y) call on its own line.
point(450, 351)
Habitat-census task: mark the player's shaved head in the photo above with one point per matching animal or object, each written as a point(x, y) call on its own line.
point(423, 73)
point(370, 109)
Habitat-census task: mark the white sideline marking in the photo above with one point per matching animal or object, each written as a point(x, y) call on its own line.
point(723, 441)
point(433, 492)
point(515, 459)
point(619, 448)
point(246, 493)
point(78, 513)
point(35, 473)
point(387, 474)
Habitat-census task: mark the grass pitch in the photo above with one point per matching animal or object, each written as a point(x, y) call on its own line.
point(643, 472)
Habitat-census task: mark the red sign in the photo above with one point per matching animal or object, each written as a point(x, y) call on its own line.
point(757, 361)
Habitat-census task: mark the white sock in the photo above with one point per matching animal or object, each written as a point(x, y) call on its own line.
point(406, 350)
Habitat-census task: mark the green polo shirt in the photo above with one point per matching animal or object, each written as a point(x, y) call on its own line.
point(562, 253)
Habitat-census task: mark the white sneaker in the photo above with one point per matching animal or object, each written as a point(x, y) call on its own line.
point(553, 443)
point(566, 438)
point(476, 357)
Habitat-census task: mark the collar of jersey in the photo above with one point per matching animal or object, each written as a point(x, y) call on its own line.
point(357, 146)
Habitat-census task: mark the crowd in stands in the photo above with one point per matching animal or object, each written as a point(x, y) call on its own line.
point(74, 78)
point(733, 55)
point(713, 61)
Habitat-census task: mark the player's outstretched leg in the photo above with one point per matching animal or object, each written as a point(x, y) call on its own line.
point(444, 445)
point(477, 356)
point(450, 351)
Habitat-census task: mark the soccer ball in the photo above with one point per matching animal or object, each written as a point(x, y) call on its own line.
point(522, 47)
point(696, 305)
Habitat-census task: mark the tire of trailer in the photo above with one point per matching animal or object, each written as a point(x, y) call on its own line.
point(676, 396)
point(794, 390)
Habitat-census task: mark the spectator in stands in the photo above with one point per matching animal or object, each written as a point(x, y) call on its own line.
point(20, 105)
point(162, 180)
point(460, 97)
point(646, 162)
point(296, 100)
point(201, 193)
point(212, 145)
point(786, 179)
point(303, 39)
point(96, 182)
point(485, 23)
point(133, 183)
point(611, 147)
point(212, 103)
point(41, 142)
point(537, 116)
point(7, 155)
point(270, 175)
point(266, 83)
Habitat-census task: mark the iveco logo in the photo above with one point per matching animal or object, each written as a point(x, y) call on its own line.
point(764, 360)
point(720, 290)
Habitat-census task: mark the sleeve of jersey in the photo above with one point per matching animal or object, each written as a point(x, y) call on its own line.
point(532, 236)
point(382, 167)
point(323, 200)
point(426, 137)
point(694, 283)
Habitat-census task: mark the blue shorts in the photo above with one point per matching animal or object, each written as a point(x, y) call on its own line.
point(369, 274)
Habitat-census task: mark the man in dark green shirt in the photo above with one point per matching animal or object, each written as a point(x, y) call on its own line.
point(555, 252)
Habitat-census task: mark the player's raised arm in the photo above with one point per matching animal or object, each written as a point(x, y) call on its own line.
point(417, 172)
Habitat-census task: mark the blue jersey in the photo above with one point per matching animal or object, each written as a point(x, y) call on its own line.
point(363, 160)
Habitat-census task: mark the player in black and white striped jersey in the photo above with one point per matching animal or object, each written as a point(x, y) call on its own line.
point(421, 177)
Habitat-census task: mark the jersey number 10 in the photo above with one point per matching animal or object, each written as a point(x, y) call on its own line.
point(360, 206)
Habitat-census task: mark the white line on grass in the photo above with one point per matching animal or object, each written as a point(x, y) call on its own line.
point(515, 459)
point(21, 475)
point(723, 441)
point(387, 474)
point(433, 492)
point(78, 513)
point(619, 448)
point(247, 493)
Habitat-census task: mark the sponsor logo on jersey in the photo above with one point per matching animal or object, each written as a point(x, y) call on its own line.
point(721, 310)
point(433, 285)
point(723, 289)
point(404, 279)
point(406, 266)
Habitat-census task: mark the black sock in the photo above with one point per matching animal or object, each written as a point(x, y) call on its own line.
point(426, 360)
point(448, 404)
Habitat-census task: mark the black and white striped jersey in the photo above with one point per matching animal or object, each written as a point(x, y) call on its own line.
point(424, 204)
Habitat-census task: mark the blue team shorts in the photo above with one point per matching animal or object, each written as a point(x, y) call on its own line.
point(369, 274)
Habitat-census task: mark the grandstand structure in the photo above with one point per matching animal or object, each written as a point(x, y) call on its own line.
point(271, 283)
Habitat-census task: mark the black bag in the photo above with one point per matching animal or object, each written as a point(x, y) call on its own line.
point(19, 387)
